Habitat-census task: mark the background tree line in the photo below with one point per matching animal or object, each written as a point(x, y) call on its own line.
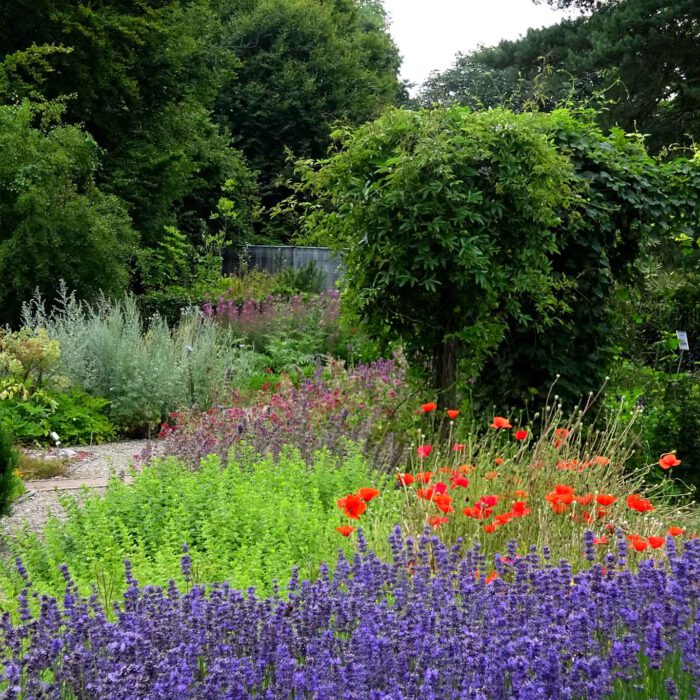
point(123, 120)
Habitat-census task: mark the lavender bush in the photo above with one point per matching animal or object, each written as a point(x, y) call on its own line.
point(428, 625)
point(332, 409)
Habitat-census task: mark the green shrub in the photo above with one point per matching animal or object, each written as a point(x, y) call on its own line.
point(77, 417)
point(248, 522)
point(673, 423)
point(145, 374)
point(54, 220)
point(9, 459)
point(668, 419)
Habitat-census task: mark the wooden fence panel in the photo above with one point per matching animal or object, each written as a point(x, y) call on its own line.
point(274, 258)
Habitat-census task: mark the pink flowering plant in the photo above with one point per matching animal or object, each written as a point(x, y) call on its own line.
point(334, 407)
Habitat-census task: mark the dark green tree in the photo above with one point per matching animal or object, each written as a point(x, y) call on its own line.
point(55, 223)
point(447, 223)
point(305, 65)
point(141, 78)
point(643, 53)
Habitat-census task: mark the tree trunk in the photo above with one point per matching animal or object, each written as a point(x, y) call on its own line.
point(446, 373)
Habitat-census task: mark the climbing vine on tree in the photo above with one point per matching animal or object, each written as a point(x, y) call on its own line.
point(447, 221)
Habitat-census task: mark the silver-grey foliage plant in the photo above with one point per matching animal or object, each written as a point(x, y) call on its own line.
point(145, 370)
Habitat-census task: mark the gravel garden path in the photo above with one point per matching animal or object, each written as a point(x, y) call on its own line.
point(91, 466)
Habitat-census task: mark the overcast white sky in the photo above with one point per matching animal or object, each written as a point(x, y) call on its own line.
point(430, 32)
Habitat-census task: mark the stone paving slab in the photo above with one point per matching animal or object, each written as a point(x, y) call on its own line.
point(92, 468)
point(70, 484)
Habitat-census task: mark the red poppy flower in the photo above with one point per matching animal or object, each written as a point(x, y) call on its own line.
point(498, 461)
point(345, 530)
point(584, 500)
point(600, 540)
point(584, 517)
point(668, 460)
point(561, 489)
point(492, 577)
point(503, 518)
point(459, 481)
point(452, 413)
point(428, 407)
point(561, 435)
point(636, 502)
point(436, 520)
point(520, 493)
point(367, 494)
point(465, 468)
point(601, 513)
point(639, 544)
point(605, 499)
point(656, 542)
point(432, 492)
point(444, 503)
point(601, 461)
point(405, 479)
point(424, 477)
point(520, 434)
point(353, 506)
point(458, 447)
point(520, 509)
point(478, 511)
point(499, 422)
point(675, 531)
point(560, 508)
point(490, 528)
point(424, 451)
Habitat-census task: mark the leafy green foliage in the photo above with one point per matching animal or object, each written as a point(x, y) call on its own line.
point(668, 419)
point(54, 221)
point(77, 417)
point(621, 202)
point(447, 220)
point(247, 522)
point(9, 459)
point(641, 53)
point(647, 314)
point(305, 65)
point(141, 79)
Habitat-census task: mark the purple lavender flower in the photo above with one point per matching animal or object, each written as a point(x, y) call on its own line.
point(420, 626)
